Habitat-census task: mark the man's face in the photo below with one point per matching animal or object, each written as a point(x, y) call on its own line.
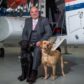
point(34, 13)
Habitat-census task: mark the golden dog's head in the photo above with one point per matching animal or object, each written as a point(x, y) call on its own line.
point(45, 44)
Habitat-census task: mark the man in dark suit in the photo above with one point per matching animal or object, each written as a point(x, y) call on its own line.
point(36, 29)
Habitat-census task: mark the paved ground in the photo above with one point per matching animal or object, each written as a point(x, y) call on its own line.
point(74, 68)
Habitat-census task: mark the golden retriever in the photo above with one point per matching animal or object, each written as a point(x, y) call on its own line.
point(50, 59)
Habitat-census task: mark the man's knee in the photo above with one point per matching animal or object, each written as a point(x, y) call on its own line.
point(37, 50)
point(37, 53)
point(37, 56)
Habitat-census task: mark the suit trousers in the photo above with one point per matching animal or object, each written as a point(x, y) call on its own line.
point(36, 57)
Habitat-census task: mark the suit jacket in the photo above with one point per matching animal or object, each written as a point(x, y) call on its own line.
point(43, 29)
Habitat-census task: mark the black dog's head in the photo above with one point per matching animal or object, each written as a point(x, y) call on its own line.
point(24, 44)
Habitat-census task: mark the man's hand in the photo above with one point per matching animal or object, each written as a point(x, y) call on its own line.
point(38, 44)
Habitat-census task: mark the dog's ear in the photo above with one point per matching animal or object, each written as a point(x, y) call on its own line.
point(41, 43)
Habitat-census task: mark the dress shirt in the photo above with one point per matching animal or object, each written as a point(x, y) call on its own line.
point(35, 21)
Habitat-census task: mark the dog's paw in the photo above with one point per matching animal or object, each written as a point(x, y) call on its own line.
point(53, 77)
point(46, 76)
point(63, 74)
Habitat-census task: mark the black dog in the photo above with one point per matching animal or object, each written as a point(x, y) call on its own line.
point(26, 60)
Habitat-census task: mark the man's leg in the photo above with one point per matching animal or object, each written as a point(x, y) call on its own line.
point(36, 63)
point(36, 58)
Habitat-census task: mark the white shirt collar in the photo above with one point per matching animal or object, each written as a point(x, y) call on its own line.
point(35, 20)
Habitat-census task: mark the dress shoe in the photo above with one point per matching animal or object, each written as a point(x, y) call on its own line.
point(28, 79)
point(33, 76)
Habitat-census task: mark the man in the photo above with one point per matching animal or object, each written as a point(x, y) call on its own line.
point(36, 29)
